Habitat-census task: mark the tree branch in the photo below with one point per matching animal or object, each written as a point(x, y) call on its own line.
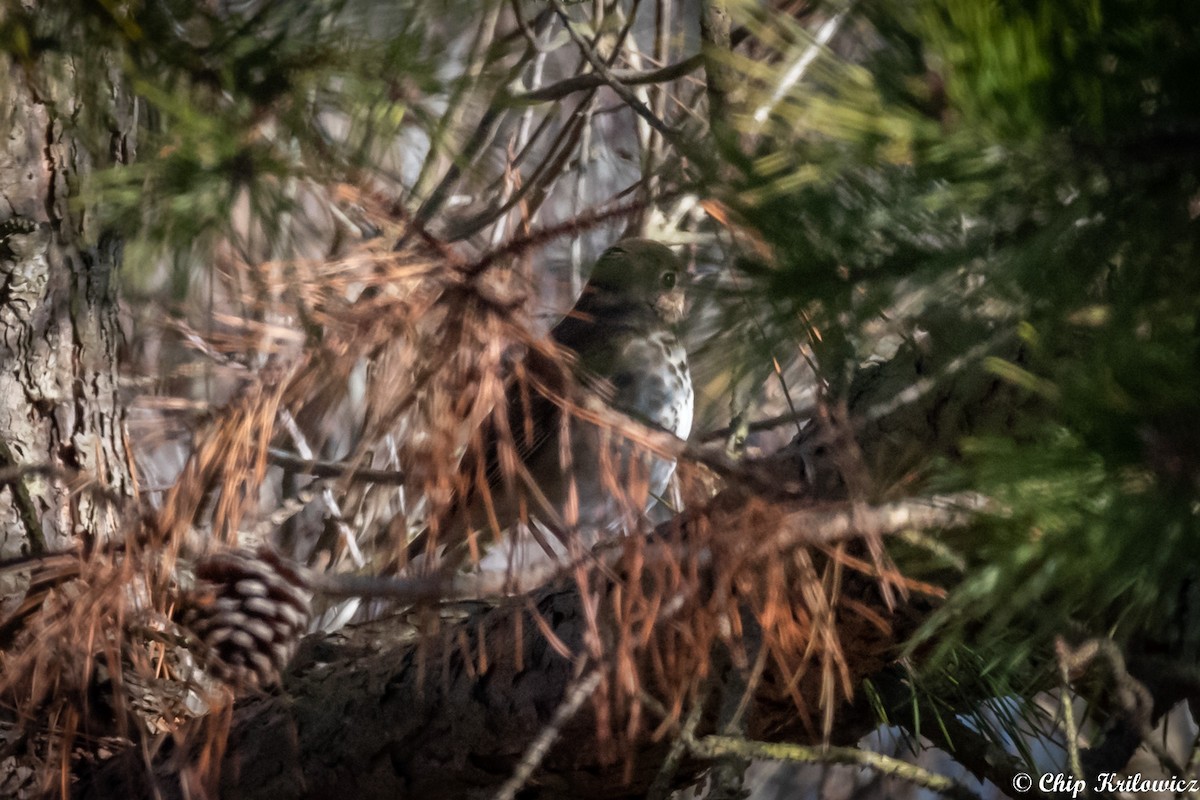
point(717, 746)
point(622, 91)
point(381, 711)
point(625, 77)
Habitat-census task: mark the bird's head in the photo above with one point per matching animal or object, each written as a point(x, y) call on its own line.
point(642, 271)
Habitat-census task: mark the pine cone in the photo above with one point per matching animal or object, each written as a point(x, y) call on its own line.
point(249, 610)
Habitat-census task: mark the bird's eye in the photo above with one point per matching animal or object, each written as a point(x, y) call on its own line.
point(668, 280)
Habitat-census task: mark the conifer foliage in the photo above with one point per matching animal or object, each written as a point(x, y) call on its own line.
point(944, 327)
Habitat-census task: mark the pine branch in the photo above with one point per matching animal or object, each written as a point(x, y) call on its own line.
point(717, 746)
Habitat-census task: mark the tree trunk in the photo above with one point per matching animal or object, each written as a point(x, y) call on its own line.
point(65, 474)
point(61, 417)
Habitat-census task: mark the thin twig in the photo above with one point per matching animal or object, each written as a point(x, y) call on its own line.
point(798, 529)
point(334, 469)
point(335, 511)
point(795, 72)
point(621, 90)
point(813, 527)
point(715, 28)
point(802, 413)
point(661, 787)
point(1070, 729)
point(476, 61)
point(626, 77)
point(534, 189)
point(542, 236)
point(76, 480)
point(718, 746)
point(403, 590)
point(1135, 700)
point(579, 691)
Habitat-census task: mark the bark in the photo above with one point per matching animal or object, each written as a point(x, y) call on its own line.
point(64, 467)
point(59, 334)
point(64, 470)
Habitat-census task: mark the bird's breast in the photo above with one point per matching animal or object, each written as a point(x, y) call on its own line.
point(654, 383)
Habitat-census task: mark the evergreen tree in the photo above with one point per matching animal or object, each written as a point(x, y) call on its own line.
point(943, 329)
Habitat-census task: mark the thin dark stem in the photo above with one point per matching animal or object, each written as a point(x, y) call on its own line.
point(626, 77)
point(610, 80)
point(334, 469)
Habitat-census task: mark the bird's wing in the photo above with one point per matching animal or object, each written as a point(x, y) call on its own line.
point(625, 358)
point(493, 470)
point(608, 359)
point(535, 419)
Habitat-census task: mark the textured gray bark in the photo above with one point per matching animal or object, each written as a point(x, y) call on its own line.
point(62, 444)
point(59, 334)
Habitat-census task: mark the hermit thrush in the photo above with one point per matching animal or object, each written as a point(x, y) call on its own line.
point(579, 478)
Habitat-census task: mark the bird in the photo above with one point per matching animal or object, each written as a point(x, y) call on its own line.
point(623, 342)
